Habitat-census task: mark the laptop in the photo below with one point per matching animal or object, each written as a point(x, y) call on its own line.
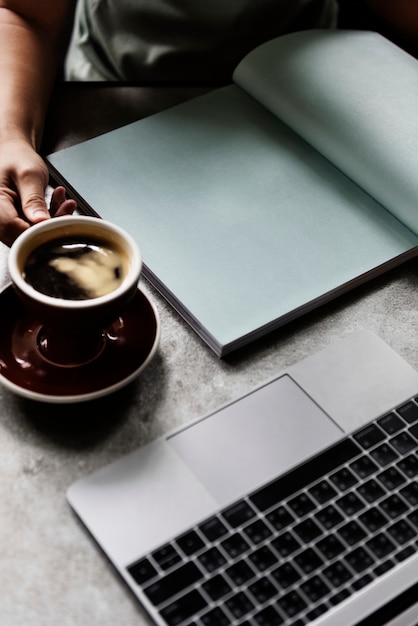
point(295, 504)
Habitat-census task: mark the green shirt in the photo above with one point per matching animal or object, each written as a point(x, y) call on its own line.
point(180, 40)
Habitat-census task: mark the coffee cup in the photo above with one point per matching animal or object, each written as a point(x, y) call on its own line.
point(75, 275)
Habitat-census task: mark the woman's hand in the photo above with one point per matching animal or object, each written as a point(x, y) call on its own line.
point(23, 180)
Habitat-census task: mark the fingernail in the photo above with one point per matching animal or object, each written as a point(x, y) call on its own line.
point(40, 213)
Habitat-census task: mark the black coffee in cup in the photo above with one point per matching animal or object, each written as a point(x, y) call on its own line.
point(75, 270)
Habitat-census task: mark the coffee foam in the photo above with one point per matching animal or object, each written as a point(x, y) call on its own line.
point(76, 269)
point(96, 272)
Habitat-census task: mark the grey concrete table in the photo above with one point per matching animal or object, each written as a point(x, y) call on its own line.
point(51, 573)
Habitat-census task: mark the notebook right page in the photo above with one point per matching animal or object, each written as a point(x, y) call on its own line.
point(353, 95)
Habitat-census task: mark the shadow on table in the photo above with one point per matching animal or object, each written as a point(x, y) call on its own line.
point(87, 424)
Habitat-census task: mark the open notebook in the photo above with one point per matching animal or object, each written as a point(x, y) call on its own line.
point(259, 201)
point(296, 504)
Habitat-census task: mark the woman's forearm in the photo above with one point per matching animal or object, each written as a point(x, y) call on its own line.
point(30, 43)
point(29, 56)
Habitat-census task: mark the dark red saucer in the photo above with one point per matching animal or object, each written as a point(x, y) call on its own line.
point(126, 348)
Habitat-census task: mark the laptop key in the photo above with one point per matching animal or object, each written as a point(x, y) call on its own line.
point(391, 423)
point(317, 611)
point(262, 590)
point(190, 543)
point(364, 466)
point(381, 545)
point(373, 519)
point(409, 466)
point(329, 517)
point(405, 554)
point(292, 603)
point(183, 608)
point(371, 491)
point(213, 529)
point(393, 506)
point(280, 518)
point(409, 411)
point(384, 454)
point(263, 558)
point(238, 514)
point(212, 559)
point(339, 597)
point(315, 589)
point(350, 504)
point(343, 479)
point(337, 574)
point(391, 478)
point(330, 547)
point(401, 532)
point(173, 583)
point(413, 518)
point(240, 573)
point(351, 533)
point(404, 443)
point(286, 575)
point(215, 617)
point(359, 560)
point(322, 492)
point(302, 505)
point(268, 617)
point(410, 493)
point(308, 530)
point(285, 544)
point(362, 582)
point(257, 531)
point(369, 436)
point(166, 557)
point(383, 567)
point(235, 545)
point(142, 571)
point(216, 587)
point(308, 560)
point(239, 605)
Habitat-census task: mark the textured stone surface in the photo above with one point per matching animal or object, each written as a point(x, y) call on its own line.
point(51, 572)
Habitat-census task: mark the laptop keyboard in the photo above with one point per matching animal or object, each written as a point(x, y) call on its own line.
point(303, 543)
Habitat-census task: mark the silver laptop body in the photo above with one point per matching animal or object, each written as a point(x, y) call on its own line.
point(147, 509)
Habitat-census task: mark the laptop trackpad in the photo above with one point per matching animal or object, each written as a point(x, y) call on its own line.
point(252, 440)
